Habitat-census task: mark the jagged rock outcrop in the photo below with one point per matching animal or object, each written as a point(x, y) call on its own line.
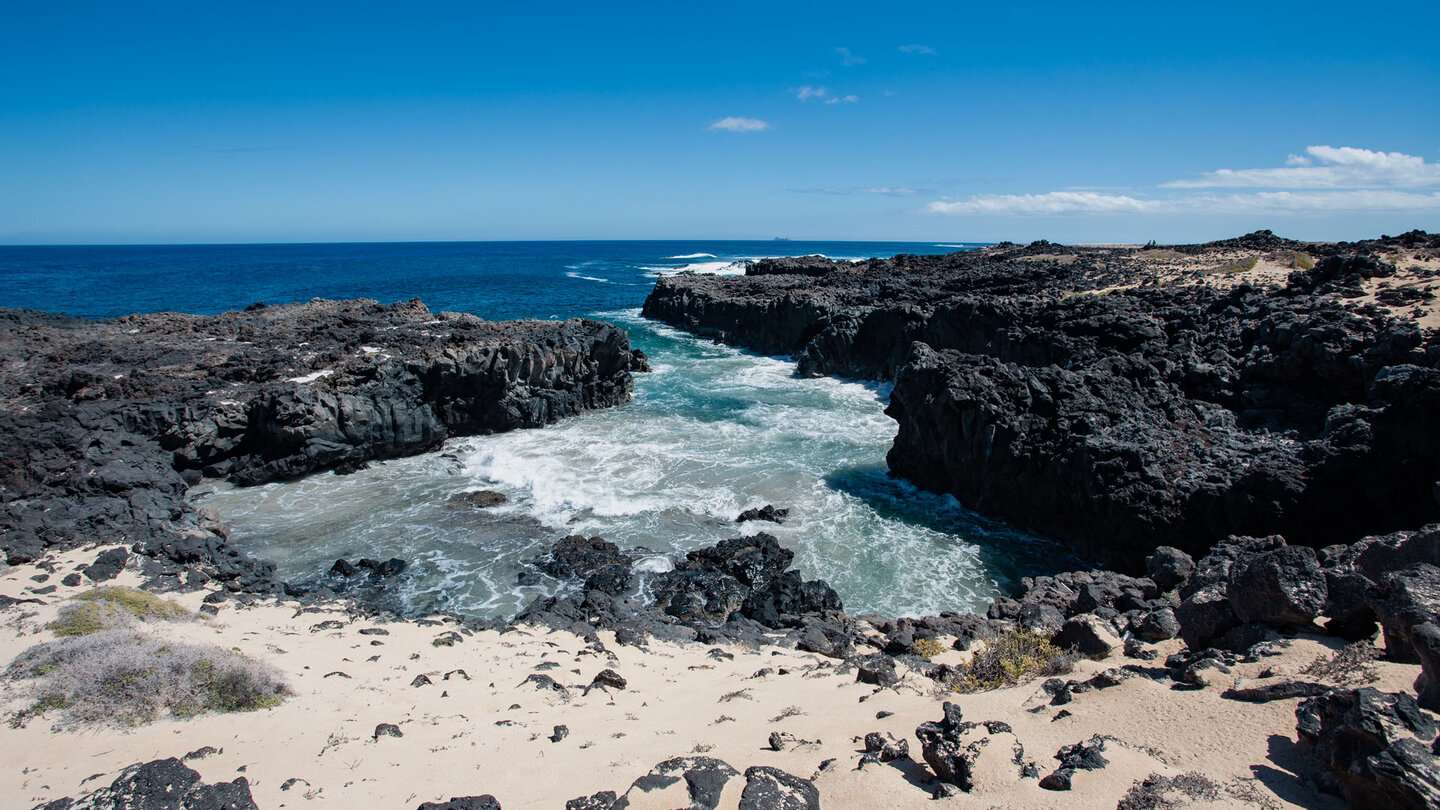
point(1075, 393)
point(104, 424)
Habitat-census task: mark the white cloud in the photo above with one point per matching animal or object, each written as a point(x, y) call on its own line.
point(850, 99)
point(847, 58)
point(1053, 202)
point(918, 49)
point(1327, 167)
point(806, 92)
point(1267, 202)
point(1325, 180)
point(737, 124)
point(889, 191)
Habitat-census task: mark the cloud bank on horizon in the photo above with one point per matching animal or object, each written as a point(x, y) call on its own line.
point(1325, 179)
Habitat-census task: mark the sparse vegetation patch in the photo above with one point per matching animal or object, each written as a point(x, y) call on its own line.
point(1238, 266)
point(1014, 656)
point(1158, 792)
point(1351, 665)
point(129, 678)
point(113, 608)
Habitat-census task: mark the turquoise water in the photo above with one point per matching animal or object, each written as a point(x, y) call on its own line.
point(712, 431)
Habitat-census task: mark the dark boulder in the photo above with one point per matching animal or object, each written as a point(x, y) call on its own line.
point(885, 747)
point(703, 780)
point(1158, 625)
point(1205, 616)
point(784, 600)
point(752, 560)
point(1281, 588)
point(1169, 567)
point(385, 569)
point(1425, 639)
point(480, 499)
point(485, 802)
point(769, 788)
point(162, 785)
point(1088, 636)
point(603, 800)
point(1375, 745)
point(107, 565)
point(766, 512)
point(876, 669)
point(1412, 598)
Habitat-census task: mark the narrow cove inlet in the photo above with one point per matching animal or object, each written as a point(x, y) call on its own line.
point(712, 431)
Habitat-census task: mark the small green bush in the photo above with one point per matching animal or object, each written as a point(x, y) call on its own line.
point(1300, 260)
point(129, 678)
point(1014, 656)
point(1238, 266)
point(112, 608)
point(927, 647)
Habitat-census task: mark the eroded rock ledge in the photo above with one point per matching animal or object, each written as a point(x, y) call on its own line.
point(104, 423)
point(1123, 398)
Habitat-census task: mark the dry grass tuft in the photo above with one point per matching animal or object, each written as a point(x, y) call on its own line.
point(1160, 792)
point(1350, 665)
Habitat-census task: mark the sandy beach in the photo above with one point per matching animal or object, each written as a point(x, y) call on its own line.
point(474, 722)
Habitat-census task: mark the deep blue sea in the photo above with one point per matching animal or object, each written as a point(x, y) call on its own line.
point(712, 430)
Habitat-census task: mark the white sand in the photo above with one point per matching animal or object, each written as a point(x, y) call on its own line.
point(462, 737)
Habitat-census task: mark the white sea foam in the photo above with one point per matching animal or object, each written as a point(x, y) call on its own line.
point(693, 256)
point(575, 275)
point(717, 268)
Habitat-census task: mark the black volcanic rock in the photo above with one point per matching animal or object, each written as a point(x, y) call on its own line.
point(1281, 588)
point(1376, 744)
point(1153, 413)
point(106, 423)
point(162, 784)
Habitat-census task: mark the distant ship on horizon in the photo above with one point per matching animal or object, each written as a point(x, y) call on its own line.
point(781, 239)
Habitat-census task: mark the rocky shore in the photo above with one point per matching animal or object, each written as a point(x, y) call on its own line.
point(1122, 398)
point(104, 424)
point(1189, 413)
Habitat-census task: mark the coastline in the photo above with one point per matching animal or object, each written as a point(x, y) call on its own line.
point(1247, 613)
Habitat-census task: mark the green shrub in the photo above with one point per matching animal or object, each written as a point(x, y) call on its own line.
point(1300, 260)
point(112, 608)
point(927, 647)
point(129, 678)
point(1238, 266)
point(1014, 656)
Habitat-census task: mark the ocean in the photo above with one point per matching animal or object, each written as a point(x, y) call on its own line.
point(712, 430)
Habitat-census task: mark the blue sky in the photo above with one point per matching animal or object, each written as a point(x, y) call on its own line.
point(193, 122)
